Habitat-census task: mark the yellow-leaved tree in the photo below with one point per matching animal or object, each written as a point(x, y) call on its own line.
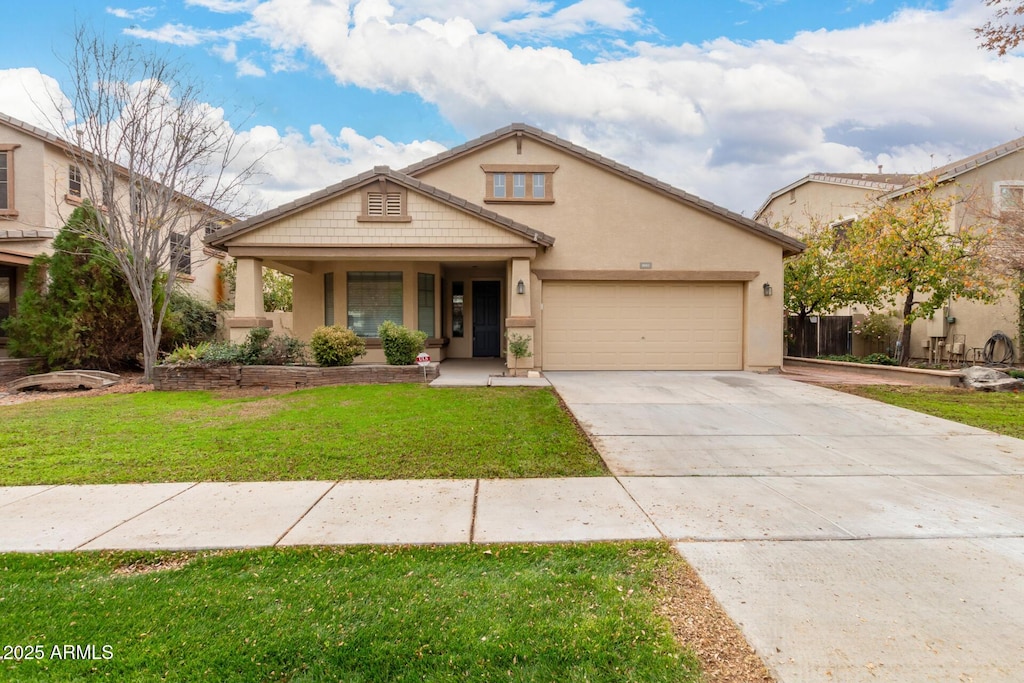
point(907, 251)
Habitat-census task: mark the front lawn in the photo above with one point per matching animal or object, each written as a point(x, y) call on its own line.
point(349, 432)
point(458, 613)
point(1000, 412)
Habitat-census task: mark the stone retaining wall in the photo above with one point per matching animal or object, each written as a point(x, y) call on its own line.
point(175, 378)
point(15, 368)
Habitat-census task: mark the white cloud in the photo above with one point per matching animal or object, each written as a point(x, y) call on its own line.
point(728, 120)
point(35, 98)
point(584, 16)
point(138, 13)
point(298, 164)
point(224, 6)
point(246, 67)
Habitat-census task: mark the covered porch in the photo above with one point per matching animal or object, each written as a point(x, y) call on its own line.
point(464, 300)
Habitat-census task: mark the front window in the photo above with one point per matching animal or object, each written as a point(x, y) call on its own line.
point(328, 298)
point(538, 185)
point(458, 301)
point(373, 297)
point(425, 296)
point(499, 185)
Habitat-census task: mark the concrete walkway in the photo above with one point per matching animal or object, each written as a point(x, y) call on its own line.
point(851, 541)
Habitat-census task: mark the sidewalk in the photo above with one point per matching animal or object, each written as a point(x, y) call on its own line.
point(188, 516)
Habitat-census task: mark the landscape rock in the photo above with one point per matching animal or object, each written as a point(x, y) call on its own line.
point(989, 379)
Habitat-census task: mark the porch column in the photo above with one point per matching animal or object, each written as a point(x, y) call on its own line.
point(248, 299)
point(520, 322)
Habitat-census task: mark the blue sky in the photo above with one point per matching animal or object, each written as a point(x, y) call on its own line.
point(729, 99)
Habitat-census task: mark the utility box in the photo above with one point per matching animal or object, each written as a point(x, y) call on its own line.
point(938, 324)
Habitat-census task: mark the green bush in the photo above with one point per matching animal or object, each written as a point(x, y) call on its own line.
point(336, 345)
point(259, 348)
point(401, 345)
point(878, 359)
point(189, 320)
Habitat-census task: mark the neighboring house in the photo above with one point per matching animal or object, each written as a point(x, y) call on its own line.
point(518, 231)
point(984, 184)
point(40, 185)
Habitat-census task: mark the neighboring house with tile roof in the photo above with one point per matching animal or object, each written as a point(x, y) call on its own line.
point(40, 185)
point(984, 184)
point(599, 265)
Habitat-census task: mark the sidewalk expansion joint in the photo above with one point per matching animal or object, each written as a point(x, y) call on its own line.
point(472, 517)
point(303, 515)
point(135, 516)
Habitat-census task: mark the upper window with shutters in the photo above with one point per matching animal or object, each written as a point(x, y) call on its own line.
point(385, 202)
point(519, 183)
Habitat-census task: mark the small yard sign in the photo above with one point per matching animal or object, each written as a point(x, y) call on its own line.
point(423, 359)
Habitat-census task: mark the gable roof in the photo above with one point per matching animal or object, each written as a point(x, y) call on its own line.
point(789, 244)
point(220, 237)
point(78, 152)
point(959, 167)
point(883, 182)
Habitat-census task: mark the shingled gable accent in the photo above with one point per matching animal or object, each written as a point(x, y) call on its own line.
point(790, 245)
point(224, 235)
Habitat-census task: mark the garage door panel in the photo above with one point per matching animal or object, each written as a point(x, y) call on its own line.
point(642, 326)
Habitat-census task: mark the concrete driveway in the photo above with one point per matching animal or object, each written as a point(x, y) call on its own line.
point(851, 541)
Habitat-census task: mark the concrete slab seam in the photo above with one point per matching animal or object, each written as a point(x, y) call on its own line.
point(303, 515)
point(136, 516)
point(472, 515)
point(760, 480)
point(639, 507)
point(32, 495)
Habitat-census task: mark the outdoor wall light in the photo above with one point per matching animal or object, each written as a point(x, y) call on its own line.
point(520, 288)
point(767, 289)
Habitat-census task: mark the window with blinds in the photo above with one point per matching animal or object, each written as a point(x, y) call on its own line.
point(373, 297)
point(425, 302)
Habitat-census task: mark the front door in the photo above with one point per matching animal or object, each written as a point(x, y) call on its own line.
point(486, 319)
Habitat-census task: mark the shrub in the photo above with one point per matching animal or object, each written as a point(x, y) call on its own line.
point(401, 345)
point(187, 354)
point(336, 345)
point(189, 320)
point(259, 348)
point(878, 359)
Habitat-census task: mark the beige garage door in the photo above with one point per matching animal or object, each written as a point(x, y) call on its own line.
point(643, 326)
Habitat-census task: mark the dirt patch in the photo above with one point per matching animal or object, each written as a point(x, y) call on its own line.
point(700, 623)
point(155, 564)
point(131, 383)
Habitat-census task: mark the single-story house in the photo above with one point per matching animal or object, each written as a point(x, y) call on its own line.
point(519, 231)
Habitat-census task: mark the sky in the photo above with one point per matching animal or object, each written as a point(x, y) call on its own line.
point(730, 100)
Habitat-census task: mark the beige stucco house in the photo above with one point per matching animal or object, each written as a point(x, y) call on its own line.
point(40, 185)
point(984, 185)
point(518, 231)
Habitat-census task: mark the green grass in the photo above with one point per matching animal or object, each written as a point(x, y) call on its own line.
point(459, 613)
point(1000, 412)
point(350, 432)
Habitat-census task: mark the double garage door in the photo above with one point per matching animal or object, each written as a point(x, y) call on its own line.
point(642, 326)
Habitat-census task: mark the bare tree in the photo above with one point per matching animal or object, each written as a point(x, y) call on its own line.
point(159, 162)
point(1006, 30)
